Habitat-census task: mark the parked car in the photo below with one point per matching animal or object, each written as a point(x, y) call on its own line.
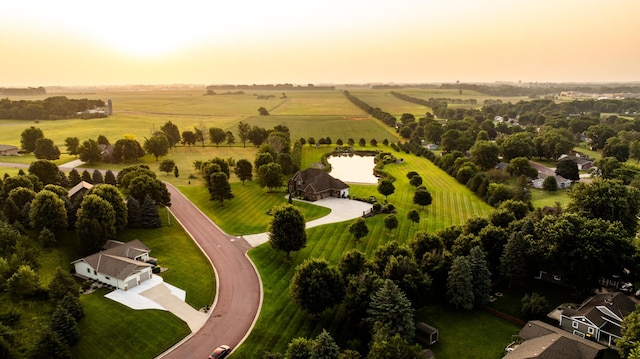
point(637, 294)
point(220, 352)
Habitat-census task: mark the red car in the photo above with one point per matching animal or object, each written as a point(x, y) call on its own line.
point(220, 352)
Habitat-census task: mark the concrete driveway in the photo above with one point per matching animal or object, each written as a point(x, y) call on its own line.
point(156, 294)
point(341, 210)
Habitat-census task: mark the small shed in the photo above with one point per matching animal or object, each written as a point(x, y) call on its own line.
point(427, 333)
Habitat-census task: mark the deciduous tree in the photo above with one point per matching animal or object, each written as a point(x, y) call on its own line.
point(358, 229)
point(46, 149)
point(422, 197)
point(157, 145)
point(219, 188)
point(386, 187)
point(270, 176)
point(414, 216)
point(90, 152)
point(95, 223)
point(47, 171)
point(316, 286)
point(29, 137)
point(217, 135)
point(287, 229)
point(391, 222)
point(171, 131)
point(72, 144)
point(48, 211)
point(568, 168)
point(244, 170)
point(167, 166)
point(111, 194)
point(243, 133)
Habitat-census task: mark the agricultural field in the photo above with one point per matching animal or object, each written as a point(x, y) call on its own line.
point(307, 114)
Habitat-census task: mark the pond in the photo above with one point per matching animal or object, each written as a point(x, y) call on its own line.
point(355, 169)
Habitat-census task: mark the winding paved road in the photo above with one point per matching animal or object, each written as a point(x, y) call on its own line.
point(238, 292)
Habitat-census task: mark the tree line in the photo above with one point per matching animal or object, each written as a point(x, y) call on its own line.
point(51, 108)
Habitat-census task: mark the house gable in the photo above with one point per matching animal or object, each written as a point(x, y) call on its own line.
point(121, 266)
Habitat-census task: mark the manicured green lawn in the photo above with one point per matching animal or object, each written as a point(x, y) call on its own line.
point(511, 300)
point(541, 198)
point(281, 320)
point(467, 334)
point(112, 330)
point(246, 213)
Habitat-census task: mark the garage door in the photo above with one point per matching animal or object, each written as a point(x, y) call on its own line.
point(132, 283)
point(144, 276)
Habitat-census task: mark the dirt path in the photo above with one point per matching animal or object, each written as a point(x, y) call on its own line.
point(239, 290)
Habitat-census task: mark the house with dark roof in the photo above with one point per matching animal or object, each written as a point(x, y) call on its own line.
point(78, 190)
point(561, 181)
point(121, 265)
point(582, 162)
point(541, 340)
point(599, 318)
point(313, 184)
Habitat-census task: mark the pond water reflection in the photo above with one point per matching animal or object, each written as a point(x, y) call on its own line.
point(353, 168)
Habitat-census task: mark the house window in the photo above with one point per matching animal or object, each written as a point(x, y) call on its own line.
point(88, 270)
point(574, 324)
point(107, 278)
point(590, 330)
point(94, 272)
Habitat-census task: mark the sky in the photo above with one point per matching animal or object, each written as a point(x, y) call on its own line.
point(72, 42)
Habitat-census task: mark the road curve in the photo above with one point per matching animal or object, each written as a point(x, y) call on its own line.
point(239, 289)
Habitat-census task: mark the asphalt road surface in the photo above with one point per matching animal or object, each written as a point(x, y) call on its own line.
point(239, 291)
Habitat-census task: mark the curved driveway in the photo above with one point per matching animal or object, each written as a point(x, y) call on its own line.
point(238, 292)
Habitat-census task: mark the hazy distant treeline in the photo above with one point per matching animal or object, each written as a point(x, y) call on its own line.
point(531, 90)
point(9, 91)
point(279, 87)
point(51, 108)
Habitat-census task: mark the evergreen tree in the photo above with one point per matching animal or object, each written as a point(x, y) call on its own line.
point(64, 180)
point(150, 218)
point(299, 348)
point(134, 213)
point(460, 284)
point(65, 326)
point(481, 276)
point(96, 177)
point(62, 284)
point(86, 176)
point(46, 238)
point(23, 283)
point(72, 304)
point(324, 347)
point(109, 178)
point(50, 346)
point(74, 177)
point(389, 305)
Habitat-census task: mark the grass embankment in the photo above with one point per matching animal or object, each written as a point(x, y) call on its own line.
point(281, 320)
point(112, 330)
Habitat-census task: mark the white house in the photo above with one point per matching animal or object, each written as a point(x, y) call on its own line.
point(121, 265)
point(562, 182)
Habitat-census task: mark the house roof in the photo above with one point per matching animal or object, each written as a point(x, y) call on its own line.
point(7, 147)
point(77, 188)
point(318, 180)
point(604, 308)
point(578, 160)
point(545, 341)
point(118, 260)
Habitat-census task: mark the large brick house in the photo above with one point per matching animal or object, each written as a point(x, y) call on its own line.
point(313, 184)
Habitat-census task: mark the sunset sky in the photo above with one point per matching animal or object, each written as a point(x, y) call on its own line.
point(69, 42)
